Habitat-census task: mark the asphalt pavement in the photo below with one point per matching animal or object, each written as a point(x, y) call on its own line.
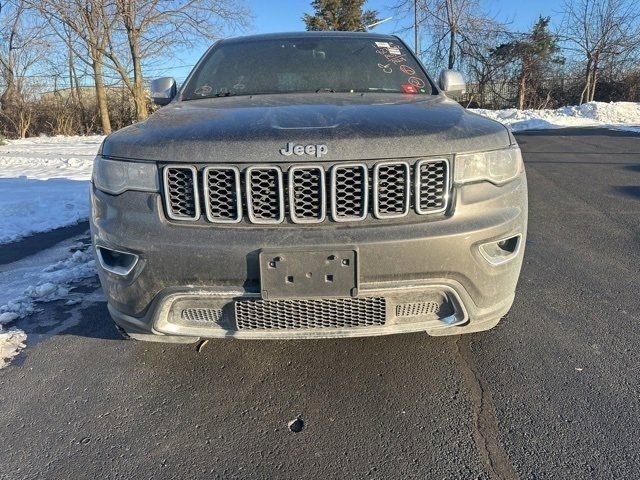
point(553, 392)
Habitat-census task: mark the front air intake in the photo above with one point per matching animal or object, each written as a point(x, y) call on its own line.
point(310, 314)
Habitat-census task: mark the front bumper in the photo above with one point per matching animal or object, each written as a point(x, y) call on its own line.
point(405, 262)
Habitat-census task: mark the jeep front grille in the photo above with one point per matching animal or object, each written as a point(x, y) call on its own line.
point(306, 193)
point(310, 314)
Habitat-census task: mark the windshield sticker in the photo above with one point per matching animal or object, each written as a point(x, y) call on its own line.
point(407, 88)
point(394, 51)
point(383, 45)
point(416, 82)
point(393, 58)
point(386, 68)
point(408, 70)
point(203, 90)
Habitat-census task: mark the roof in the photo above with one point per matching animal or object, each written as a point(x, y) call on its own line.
point(296, 35)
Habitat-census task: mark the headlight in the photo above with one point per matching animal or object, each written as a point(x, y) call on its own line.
point(117, 176)
point(498, 166)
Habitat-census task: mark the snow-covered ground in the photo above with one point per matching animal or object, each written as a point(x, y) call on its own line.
point(44, 277)
point(616, 115)
point(44, 184)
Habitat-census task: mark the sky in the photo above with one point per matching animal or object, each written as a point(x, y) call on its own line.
point(286, 16)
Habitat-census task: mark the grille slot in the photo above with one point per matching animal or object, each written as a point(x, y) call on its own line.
point(265, 195)
point(307, 195)
point(391, 189)
point(310, 314)
point(349, 192)
point(222, 194)
point(181, 192)
point(432, 186)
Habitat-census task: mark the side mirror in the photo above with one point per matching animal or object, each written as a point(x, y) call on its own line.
point(452, 82)
point(163, 90)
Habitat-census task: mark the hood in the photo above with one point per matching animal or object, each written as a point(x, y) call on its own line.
point(351, 126)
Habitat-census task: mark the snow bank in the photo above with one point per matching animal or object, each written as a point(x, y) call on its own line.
point(39, 283)
point(12, 341)
point(617, 115)
point(44, 184)
point(31, 206)
point(44, 277)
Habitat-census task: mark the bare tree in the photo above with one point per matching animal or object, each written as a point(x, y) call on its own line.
point(599, 31)
point(84, 27)
point(148, 29)
point(457, 28)
point(22, 46)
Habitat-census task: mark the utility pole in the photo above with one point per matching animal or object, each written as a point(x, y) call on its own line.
point(415, 29)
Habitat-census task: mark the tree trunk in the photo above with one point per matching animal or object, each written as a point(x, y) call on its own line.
point(139, 95)
point(587, 83)
point(594, 81)
point(522, 90)
point(133, 37)
point(101, 95)
point(452, 48)
point(9, 97)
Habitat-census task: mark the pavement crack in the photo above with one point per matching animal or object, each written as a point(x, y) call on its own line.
point(485, 427)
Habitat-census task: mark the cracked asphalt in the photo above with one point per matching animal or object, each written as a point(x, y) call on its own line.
point(553, 392)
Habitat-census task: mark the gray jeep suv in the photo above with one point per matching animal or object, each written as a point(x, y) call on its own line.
point(308, 185)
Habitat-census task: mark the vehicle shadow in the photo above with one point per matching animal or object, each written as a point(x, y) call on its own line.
point(579, 132)
point(628, 190)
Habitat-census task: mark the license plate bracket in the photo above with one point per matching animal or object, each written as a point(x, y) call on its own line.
point(308, 273)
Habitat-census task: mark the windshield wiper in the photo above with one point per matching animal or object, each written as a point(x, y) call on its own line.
point(327, 90)
point(224, 94)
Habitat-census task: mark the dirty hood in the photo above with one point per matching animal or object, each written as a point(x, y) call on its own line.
point(351, 126)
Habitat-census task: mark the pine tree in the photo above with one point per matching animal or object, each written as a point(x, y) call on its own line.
point(344, 15)
point(534, 53)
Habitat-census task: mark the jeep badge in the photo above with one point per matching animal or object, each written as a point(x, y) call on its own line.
point(292, 149)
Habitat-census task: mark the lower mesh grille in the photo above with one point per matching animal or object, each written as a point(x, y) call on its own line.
point(417, 309)
point(201, 315)
point(313, 313)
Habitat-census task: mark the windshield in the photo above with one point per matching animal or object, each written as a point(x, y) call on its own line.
point(321, 64)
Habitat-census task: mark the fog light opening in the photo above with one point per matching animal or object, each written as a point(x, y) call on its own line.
point(501, 251)
point(116, 262)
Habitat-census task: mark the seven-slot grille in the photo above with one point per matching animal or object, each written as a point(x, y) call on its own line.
point(306, 193)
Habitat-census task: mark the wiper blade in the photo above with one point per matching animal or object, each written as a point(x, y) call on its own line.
point(224, 94)
point(328, 90)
